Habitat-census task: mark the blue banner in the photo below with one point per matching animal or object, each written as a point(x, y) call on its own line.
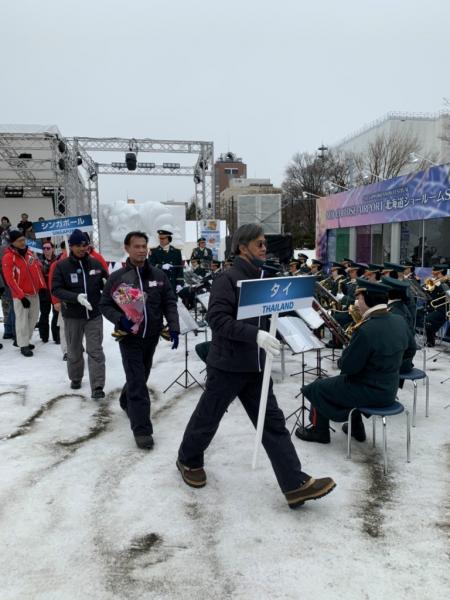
point(34, 246)
point(62, 226)
point(260, 297)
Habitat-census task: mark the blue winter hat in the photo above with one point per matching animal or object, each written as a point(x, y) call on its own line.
point(77, 238)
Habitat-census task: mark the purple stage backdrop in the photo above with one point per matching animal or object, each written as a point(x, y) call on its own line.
point(412, 197)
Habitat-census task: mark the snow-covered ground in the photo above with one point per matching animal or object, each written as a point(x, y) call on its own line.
point(87, 515)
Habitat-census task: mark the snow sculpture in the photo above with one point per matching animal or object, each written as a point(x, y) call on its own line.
point(118, 218)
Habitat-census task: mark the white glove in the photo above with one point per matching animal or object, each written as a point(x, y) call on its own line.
point(178, 288)
point(82, 299)
point(268, 343)
point(166, 267)
point(339, 296)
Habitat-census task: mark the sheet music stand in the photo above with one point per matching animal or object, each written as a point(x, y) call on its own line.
point(203, 299)
point(300, 339)
point(187, 324)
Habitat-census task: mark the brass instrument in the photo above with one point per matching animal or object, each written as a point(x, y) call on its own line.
point(332, 325)
point(326, 283)
point(325, 297)
point(429, 284)
point(356, 316)
point(440, 301)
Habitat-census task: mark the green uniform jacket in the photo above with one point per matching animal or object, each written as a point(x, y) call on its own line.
point(369, 368)
point(160, 257)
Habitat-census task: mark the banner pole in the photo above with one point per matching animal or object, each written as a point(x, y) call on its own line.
point(264, 393)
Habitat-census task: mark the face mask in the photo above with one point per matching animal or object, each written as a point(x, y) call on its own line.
point(256, 262)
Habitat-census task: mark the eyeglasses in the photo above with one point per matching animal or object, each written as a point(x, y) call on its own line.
point(46, 247)
point(261, 243)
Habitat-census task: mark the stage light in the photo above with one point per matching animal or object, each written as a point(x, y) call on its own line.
point(79, 159)
point(145, 165)
point(171, 165)
point(48, 192)
point(25, 156)
point(61, 146)
point(13, 192)
point(197, 176)
point(61, 164)
point(130, 160)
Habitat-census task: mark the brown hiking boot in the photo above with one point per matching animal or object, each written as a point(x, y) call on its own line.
point(310, 490)
point(193, 477)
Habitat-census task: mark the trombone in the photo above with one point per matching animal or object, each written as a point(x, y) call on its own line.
point(441, 300)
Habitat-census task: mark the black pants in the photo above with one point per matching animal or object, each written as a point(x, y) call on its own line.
point(137, 357)
point(45, 307)
point(222, 387)
point(433, 322)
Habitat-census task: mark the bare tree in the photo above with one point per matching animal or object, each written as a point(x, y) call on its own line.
point(386, 157)
point(308, 177)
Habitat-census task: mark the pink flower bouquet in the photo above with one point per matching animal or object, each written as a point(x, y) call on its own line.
point(131, 301)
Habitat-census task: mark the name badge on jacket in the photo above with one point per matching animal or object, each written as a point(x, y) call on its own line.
point(74, 278)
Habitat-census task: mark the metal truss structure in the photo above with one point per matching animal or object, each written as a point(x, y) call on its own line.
point(36, 164)
point(71, 173)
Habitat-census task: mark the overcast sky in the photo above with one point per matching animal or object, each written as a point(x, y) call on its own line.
point(261, 78)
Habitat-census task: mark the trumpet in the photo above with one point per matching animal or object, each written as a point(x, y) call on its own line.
point(429, 284)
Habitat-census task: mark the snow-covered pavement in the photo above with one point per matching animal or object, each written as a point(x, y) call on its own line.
point(86, 515)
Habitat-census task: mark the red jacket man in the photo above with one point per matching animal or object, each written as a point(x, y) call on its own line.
point(22, 272)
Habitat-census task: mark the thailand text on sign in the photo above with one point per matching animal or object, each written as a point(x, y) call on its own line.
point(259, 297)
point(62, 226)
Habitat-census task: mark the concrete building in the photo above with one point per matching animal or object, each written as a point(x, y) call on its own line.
point(229, 199)
point(226, 168)
point(427, 127)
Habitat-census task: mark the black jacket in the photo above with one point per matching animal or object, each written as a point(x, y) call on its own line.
point(233, 346)
point(161, 300)
point(73, 276)
point(160, 257)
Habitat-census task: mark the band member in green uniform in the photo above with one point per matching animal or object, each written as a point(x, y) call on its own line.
point(202, 254)
point(316, 269)
point(437, 316)
point(169, 259)
point(369, 367)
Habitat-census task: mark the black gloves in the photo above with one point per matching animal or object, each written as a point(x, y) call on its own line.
point(25, 302)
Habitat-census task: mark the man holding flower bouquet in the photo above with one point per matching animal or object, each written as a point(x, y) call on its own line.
point(135, 299)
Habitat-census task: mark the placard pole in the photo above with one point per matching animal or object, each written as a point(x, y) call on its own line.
point(264, 392)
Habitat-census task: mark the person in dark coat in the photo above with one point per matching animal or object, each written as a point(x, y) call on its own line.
point(369, 366)
point(45, 303)
point(169, 259)
point(235, 363)
point(77, 282)
point(202, 254)
point(303, 267)
point(316, 269)
point(398, 305)
point(137, 349)
point(436, 316)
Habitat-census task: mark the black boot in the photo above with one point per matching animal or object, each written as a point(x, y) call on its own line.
point(312, 434)
point(25, 350)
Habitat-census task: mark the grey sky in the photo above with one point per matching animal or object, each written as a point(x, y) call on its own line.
point(262, 78)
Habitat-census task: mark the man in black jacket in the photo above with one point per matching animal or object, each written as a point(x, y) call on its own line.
point(78, 282)
point(235, 365)
point(137, 349)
